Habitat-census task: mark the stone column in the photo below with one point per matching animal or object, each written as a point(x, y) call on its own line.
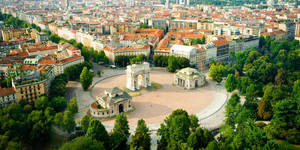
point(137, 83)
point(144, 81)
point(148, 79)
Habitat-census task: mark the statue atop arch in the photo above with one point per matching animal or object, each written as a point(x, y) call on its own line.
point(138, 75)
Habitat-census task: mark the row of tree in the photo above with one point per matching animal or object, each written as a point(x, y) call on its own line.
point(171, 62)
point(9, 20)
point(95, 136)
point(124, 60)
point(179, 131)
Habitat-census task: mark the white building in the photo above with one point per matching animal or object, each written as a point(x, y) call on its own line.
point(189, 78)
point(211, 51)
point(61, 65)
point(66, 33)
point(7, 96)
point(188, 52)
point(110, 103)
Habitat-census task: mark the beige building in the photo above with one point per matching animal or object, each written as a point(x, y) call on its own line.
point(34, 84)
point(7, 96)
point(10, 34)
point(110, 103)
point(61, 65)
point(111, 52)
point(205, 25)
point(30, 90)
point(189, 78)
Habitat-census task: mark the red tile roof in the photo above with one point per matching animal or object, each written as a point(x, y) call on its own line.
point(15, 41)
point(69, 59)
point(6, 91)
point(221, 42)
point(42, 49)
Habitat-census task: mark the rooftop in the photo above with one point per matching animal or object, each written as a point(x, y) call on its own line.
point(6, 91)
point(189, 73)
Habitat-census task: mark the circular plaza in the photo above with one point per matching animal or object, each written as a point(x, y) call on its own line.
point(155, 105)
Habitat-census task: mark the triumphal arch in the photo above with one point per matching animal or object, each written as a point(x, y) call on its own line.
point(138, 75)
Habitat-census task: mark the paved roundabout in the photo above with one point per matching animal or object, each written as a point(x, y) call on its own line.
point(155, 106)
point(207, 103)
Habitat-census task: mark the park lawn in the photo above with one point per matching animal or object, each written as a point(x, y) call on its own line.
point(154, 86)
point(131, 93)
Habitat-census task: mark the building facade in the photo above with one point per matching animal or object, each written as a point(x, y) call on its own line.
point(289, 27)
point(110, 103)
point(7, 96)
point(188, 52)
point(189, 78)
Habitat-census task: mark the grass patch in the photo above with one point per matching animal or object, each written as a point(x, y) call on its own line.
point(154, 86)
point(131, 93)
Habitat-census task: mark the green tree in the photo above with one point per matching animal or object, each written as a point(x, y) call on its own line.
point(141, 139)
point(175, 130)
point(59, 103)
point(41, 103)
point(273, 94)
point(54, 38)
point(243, 83)
point(285, 123)
point(182, 62)
point(262, 41)
point(200, 138)
point(58, 119)
point(232, 109)
point(40, 127)
point(120, 132)
point(72, 106)
point(216, 72)
point(194, 122)
point(58, 86)
point(86, 78)
point(213, 145)
point(296, 89)
point(121, 124)
point(85, 121)
point(172, 64)
point(68, 122)
point(99, 73)
point(97, 131)
point(138, 59)
point(230, 83)
point(80, 143)
point(264, 109)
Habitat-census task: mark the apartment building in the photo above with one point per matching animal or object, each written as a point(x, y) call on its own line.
point(111, 52)
point(61, 65)
point(5, 47)
point(188, 52)
point(7, 96)
point(222, 49)
point(34, 84)
point(289, 27)
point(183, 24)
point(10, 34)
